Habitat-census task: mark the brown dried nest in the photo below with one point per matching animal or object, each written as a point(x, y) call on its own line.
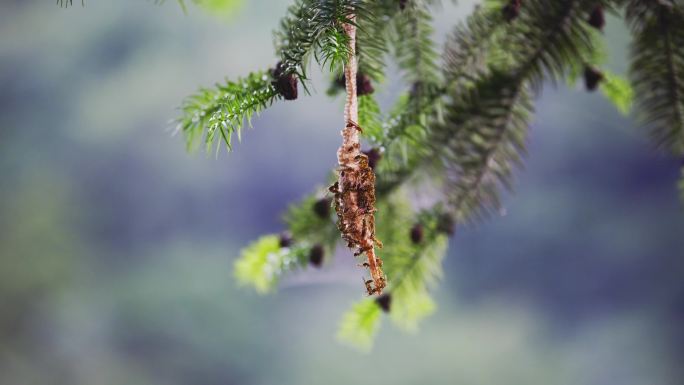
point(355, 206)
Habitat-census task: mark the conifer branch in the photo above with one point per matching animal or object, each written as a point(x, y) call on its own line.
point(417, 58)
point(487, 122)
point(264, 261)
point(312, 27)
point(414, 46)
point(618, 91)
point(373, 31)
point(465, 125)
point(310, 220)
point(484, 134)
point(370, 118)
point(417, 264)
point(615, 88)
point(657, 69)
point(549, 37)
point(224, 109)
point(470, 45)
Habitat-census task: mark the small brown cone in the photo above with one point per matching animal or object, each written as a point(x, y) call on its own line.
point(417, 233)
point(374, 157)
point(446, 224)
point(316, 255)
point(322, 207)
point(597, 19)
point(592, 78)
point(512, 10)
point(284, 83)
point(285, 239)
point(384, 301)
point(364, 85)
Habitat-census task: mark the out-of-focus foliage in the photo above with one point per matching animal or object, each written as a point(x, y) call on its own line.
point(261, 263)
point(414, 47)
point(618, 90)
point(615, 88)
point(414, 267)
point(305, 224)
point(360, 324)
point(370, 118)
point(485, 133)
point(657, 68)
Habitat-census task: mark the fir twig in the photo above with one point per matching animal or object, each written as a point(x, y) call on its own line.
point(487, 122)
point(657, 69)
point(484, 134)
point(223, 110)
point(313, 26)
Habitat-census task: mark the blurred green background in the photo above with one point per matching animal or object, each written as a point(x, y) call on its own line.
point(117, 246)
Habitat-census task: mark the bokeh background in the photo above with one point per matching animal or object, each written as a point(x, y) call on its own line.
point(116, 246)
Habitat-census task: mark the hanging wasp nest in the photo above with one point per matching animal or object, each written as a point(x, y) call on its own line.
point(355, 189)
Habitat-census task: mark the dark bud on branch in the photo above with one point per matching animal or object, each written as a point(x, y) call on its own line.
point(364, 86)
point(374, 157)
point(316, 255)
point(384, 301)
point(284, 83)
point(512, 10)
point(446, 224)
point(597, 19)
point(322, 207)
point(416, 89)
point(592, 77)
point(285, 239)
point(340, 82)
point(417, 233)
